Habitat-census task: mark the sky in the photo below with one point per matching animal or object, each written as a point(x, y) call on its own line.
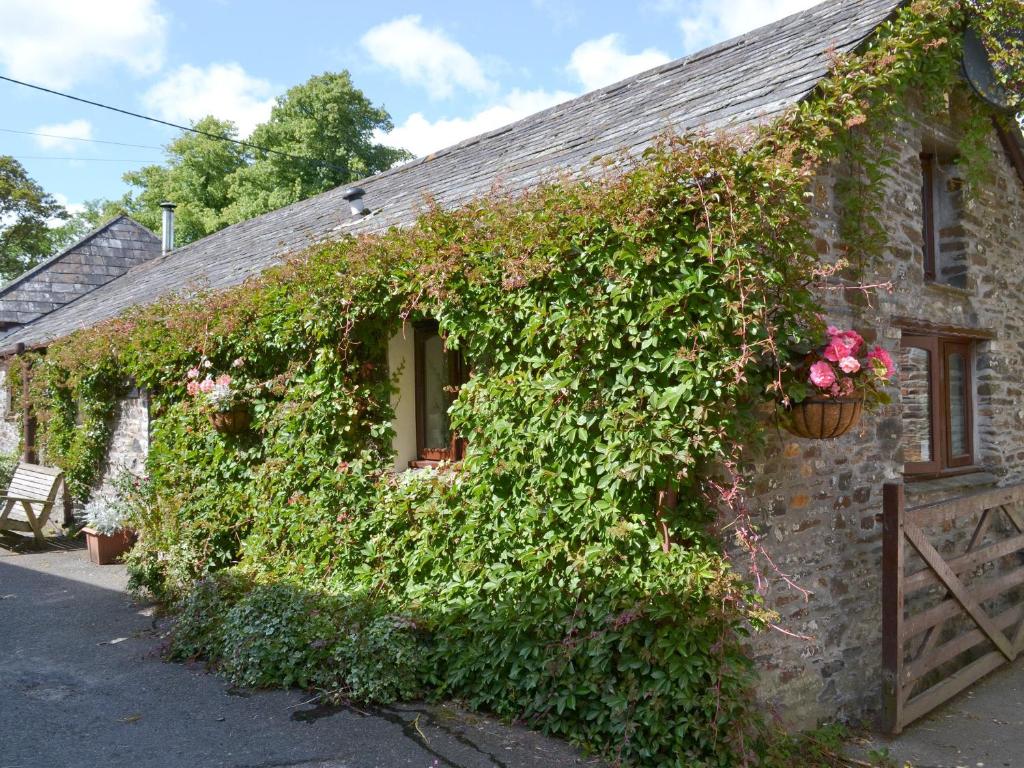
point(444, 70)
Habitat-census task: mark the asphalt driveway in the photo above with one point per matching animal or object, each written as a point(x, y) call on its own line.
point(82, 684)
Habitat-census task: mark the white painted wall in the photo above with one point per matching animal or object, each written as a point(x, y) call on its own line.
point(403, 376)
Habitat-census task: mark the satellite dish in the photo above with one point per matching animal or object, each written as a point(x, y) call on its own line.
point(980, 73)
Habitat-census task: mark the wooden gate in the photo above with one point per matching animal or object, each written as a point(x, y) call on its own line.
point(924, 661)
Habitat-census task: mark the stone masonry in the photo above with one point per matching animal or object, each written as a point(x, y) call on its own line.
point(819, 503)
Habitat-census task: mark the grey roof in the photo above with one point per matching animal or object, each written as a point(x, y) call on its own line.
point(104, 254)
point(728, 86)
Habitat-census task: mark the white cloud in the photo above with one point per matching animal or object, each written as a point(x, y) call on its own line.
point(421, 136)
point(710, 21)
point(50, 138)
point(72, 208)
point(225, 91)
point(601, 62)
point(58, 43)
point(425, 57)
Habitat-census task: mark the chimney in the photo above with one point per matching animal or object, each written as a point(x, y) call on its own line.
point(168, 226)
point(354, 195)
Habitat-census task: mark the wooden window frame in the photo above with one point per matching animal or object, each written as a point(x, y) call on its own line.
point(458, 374)
point(939, 349)
point(929, 226)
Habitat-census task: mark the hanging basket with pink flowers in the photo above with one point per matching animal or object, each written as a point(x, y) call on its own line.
point(827, 392)
point(224, 397)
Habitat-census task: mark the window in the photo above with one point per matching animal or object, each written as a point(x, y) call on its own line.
point(439, 374)
point(938, 410)
point(945, 246)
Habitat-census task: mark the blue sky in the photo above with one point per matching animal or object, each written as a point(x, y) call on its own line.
point(445, 70)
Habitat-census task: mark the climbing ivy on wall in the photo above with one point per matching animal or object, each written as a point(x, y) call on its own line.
point(624, 331)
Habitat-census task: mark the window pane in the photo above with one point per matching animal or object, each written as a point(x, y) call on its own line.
point(915, 388)
point(435, 396)
point(957, 375)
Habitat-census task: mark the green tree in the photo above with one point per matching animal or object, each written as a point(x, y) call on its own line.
point(327, 120)
point(27, 213)
point(325, 129)
point(195, 177)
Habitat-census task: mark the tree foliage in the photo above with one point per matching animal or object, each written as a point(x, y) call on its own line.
point(323, 133)
point(27, 213)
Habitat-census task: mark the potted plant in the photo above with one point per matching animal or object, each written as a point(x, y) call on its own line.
point(826, 393)
point(107, 534)
point(224, 398)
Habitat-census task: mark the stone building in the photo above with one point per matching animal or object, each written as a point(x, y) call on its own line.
point(99, 257)
point(952, 302)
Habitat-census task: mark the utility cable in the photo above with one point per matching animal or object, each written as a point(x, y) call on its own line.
point(79, 138)
point(85, 159)
point(208, 134)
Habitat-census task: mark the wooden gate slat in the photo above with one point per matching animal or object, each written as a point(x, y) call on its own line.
point(902, 674)
point(957, 565)
point(949, 578)
point(947, 609)
point(950, 649)
point(951, 686)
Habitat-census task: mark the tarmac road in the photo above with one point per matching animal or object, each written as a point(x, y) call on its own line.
point(82, 685)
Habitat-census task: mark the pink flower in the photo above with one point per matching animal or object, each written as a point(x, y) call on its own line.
point(206, 385)
point(884, 361)
point(837, 349)
point(849, 365)
point(846, 387)
point(237, 362)
point(833, 331)
point(223, 380)
point(822, 375)
point(853, 340)
point(193, 373)
point(192, 388)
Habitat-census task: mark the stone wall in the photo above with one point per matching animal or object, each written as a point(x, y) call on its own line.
point(819, 503)
point(10, 427)
point(129, 443)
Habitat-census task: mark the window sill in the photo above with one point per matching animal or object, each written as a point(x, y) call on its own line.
point(950, 484)
point(949, 290)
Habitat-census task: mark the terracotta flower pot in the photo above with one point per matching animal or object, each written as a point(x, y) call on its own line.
point(231, 422)
point(105, 549)
point(820, 419)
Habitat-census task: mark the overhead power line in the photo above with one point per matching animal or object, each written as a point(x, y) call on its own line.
point(83, 159)
point(208, 134)
point(80, 138)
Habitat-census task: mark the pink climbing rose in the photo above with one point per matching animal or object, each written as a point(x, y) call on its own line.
point(192, 388)
point(223, 380)
point(206, 386)
point(822, 375)
point(849, 364)
point(193, 373)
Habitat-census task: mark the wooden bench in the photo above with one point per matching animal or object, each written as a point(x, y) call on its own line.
point(30, 499)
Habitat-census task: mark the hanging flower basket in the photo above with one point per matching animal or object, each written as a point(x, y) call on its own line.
point(823, 419)
point(231, 422)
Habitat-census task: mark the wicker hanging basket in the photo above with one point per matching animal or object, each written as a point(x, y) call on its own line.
point(818, 419)
point(231, 422)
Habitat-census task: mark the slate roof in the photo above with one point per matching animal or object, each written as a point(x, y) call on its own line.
point(728, 86)
point(101, 256)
